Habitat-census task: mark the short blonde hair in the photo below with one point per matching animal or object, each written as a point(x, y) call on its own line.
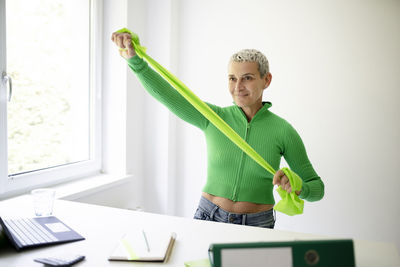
point(252, 55)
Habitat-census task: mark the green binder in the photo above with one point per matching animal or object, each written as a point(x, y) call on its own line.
point(315, 253)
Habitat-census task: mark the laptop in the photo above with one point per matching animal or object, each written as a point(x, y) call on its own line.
point(38, 231)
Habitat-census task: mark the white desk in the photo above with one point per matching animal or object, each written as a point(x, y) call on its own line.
point(103, 226)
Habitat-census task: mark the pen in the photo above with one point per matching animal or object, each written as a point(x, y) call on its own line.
point(145, 239)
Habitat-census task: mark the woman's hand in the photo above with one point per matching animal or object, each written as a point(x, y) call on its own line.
point(124, 42)
point(280, 179)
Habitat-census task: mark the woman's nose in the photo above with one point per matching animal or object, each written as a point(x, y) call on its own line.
point(238, 86)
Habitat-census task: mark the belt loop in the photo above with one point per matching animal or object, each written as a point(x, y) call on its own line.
point(244, 216)
point(213, 212)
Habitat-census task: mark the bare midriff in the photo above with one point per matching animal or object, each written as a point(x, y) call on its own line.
point(238, 206)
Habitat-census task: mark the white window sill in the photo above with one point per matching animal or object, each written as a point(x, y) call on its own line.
point(76, 189)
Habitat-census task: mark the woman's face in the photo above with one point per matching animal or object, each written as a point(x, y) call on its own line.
point(245, 84)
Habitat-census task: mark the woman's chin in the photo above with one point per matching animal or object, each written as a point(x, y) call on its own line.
point(240, 104)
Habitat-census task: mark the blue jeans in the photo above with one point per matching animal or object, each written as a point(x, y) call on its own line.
point(208, 211)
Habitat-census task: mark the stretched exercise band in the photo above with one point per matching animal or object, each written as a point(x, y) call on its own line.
point(220, 124)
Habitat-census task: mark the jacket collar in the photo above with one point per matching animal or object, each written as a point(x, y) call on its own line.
point(265, 107)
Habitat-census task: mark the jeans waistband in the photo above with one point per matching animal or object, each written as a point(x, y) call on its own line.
point(210, 207)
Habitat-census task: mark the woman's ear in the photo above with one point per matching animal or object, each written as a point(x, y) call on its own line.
point(267, 79)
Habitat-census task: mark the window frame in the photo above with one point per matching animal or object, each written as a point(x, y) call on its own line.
point(19, 183)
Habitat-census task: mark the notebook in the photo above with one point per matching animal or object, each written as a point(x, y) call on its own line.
point(153, 245)
point(38, 231)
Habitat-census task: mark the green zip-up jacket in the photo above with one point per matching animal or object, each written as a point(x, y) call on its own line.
point(231, 173)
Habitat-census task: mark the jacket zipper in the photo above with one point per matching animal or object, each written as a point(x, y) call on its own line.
point(240, 171)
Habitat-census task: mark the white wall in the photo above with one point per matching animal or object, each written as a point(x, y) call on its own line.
point(335, 67)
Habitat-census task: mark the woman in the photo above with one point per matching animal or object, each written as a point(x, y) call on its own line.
point(237, 190)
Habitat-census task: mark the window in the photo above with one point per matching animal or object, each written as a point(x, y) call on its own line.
point(50, 116)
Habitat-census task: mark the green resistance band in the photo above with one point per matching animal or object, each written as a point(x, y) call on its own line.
point(202, 107)
point(290, 203)
point(129, 250)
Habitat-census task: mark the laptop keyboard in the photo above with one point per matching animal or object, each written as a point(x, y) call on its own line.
point(29, 232)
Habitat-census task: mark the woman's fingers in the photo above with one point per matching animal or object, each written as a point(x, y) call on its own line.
point(285, 184)
point(124, 42)
point(281, 179)
point(277, 177)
